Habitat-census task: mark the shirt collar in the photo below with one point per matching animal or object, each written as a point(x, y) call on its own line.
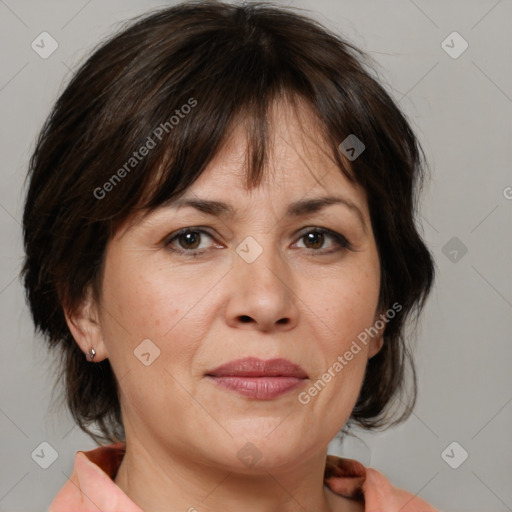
point(91, 486)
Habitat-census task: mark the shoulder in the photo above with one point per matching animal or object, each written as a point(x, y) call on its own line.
point(381, 495)
point(350, 479)
point(90, 487)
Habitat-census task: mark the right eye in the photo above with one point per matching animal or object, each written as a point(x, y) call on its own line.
point(189, 239)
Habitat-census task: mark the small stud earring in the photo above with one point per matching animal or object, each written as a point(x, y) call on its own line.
point(90, 355)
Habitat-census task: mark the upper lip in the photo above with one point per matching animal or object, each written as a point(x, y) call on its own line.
point(254, 367)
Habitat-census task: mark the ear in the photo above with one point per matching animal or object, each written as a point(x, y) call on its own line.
point(375, 346)
point(85, 327)
point(377, 341)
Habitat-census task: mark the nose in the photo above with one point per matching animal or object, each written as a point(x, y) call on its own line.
point(262, 296)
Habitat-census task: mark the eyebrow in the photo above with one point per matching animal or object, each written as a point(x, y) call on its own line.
point(297, 209)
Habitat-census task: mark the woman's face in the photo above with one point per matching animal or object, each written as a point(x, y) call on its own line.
point(254, 283)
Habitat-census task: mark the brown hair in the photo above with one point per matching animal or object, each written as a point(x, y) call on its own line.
point(225, 62)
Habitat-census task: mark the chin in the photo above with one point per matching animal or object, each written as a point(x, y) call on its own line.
point(258, 447)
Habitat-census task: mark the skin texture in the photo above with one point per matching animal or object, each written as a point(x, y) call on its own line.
point(305, 300)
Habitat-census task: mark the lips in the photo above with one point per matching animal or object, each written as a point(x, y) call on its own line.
point(258, 379)
point(254, 367)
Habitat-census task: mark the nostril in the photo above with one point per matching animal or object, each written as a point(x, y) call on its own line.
point(245, 318)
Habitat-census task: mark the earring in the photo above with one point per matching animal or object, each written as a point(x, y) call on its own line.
point(90, 355)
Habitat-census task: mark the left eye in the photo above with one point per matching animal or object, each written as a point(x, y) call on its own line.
point(316, 238)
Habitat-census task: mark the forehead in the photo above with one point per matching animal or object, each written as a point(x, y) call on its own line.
point(299, 165)
point(298, 158)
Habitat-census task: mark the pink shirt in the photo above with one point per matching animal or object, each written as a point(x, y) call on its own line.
point(91, 486)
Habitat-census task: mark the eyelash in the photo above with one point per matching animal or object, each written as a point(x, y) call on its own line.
point(340, 239)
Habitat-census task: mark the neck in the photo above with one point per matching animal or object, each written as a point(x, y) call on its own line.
point(155, 481)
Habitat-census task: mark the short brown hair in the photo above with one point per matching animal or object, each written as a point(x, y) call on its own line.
point(233, 61)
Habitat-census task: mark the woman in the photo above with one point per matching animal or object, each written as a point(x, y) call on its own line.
point(220, 243)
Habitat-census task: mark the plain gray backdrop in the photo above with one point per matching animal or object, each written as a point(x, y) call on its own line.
point(460, 102)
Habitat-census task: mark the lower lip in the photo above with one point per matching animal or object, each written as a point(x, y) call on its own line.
point(260, 388)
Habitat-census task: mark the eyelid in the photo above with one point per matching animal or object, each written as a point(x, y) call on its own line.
point(341, 240)
point(200, 229)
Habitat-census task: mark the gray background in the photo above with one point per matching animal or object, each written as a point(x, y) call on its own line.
point(461, 108)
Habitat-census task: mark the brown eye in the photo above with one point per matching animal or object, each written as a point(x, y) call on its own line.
point(314, 240)
point(187, 241)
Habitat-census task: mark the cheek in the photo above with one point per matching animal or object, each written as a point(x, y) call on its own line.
point(148, 302)
point(147, 299)
point(347, 302)
point(346, 305)
point(144, 298)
